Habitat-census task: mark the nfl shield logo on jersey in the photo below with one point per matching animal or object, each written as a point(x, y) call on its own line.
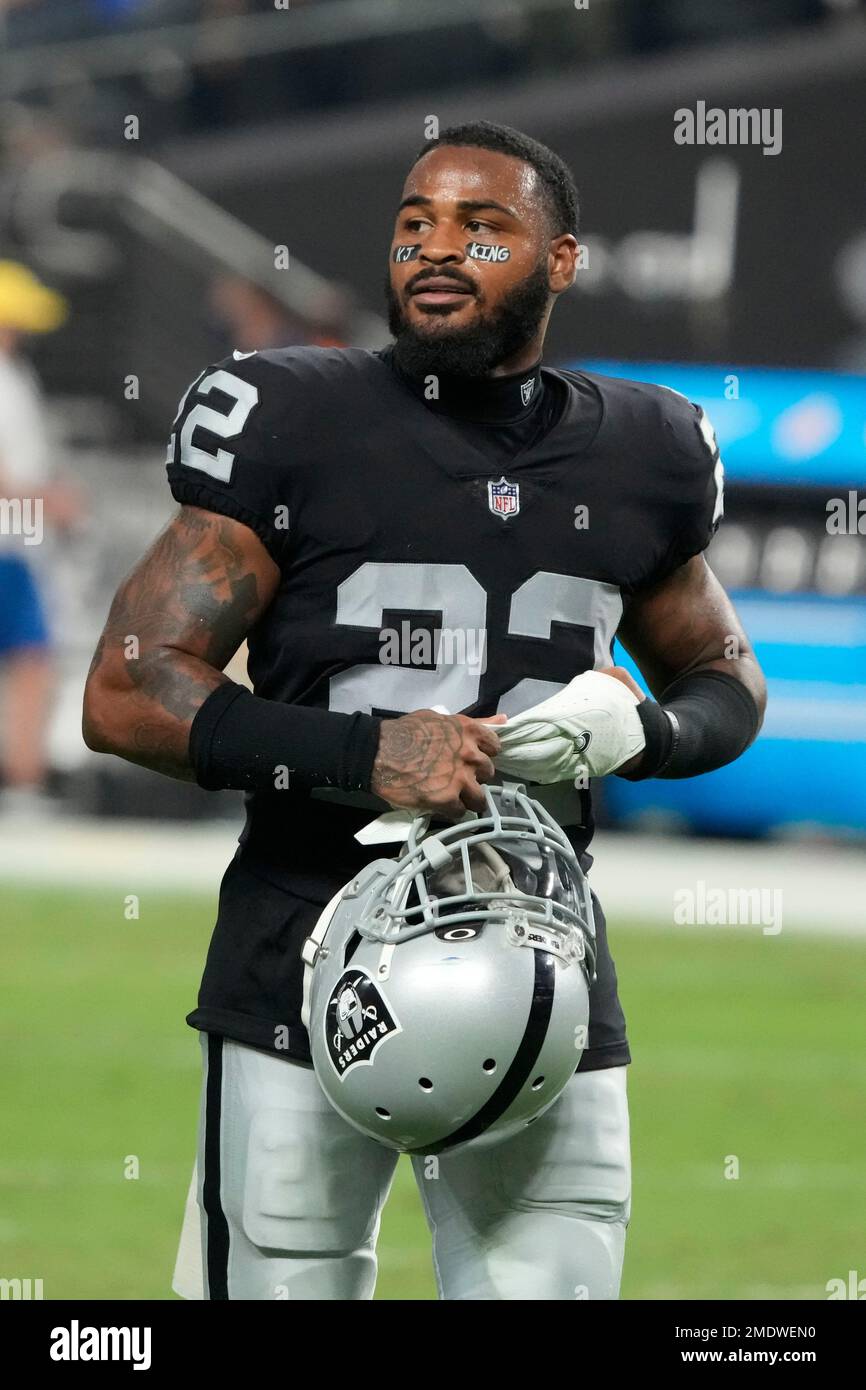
point(503, 498)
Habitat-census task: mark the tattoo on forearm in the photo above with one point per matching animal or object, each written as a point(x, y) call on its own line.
point(175, 623)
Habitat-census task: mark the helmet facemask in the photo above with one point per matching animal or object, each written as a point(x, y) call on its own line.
point(514, 865)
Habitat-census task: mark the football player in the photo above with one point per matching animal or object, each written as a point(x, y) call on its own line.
point(345, 511)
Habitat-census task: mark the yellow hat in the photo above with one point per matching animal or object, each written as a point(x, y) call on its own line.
point(27, 304)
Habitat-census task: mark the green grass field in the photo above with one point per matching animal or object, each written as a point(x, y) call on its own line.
point(744, 1045)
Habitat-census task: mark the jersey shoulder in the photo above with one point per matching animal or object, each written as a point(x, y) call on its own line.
point(309, 364)
point(244, 428)
point(664, 448)
point(676, 429)
point(295, 382)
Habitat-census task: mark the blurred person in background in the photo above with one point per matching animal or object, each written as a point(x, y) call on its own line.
point(30, 499)
point(251, 319)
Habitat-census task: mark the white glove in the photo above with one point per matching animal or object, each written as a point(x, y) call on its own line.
point(588, 729)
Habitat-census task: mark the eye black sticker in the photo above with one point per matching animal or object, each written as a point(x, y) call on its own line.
point(406, 253)
point(479, 252)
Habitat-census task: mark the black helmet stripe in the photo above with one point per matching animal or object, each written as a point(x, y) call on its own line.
point(524, 1061)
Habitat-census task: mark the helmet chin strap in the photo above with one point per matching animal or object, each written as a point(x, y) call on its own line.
point(310, 952)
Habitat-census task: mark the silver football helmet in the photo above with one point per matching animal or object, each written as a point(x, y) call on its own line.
point(446, 993)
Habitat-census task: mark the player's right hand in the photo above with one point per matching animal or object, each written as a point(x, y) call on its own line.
point(435, 762)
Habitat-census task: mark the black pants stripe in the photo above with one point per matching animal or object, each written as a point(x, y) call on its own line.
point(217, 1228)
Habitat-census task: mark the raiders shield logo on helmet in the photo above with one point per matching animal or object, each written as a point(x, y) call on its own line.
point(357, 1020)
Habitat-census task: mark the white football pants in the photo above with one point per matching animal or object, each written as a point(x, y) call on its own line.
point(286, 1197)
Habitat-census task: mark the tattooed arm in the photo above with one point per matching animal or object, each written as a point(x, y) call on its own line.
point(175, 623)
point(435, 762)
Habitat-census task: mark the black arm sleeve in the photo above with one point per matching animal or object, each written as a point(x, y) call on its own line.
point(239, 740)
point(702, 722)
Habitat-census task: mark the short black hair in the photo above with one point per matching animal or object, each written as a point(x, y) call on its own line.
point(554, 173)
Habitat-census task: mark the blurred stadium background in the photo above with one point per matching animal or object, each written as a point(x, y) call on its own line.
point(197, 175)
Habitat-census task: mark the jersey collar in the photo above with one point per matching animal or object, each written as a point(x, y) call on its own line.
point(498, 400)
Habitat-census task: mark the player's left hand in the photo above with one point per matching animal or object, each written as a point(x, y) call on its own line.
point(588, 729)
point(621, 674)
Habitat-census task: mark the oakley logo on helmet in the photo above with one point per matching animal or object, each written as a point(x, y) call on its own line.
point(357, 1019)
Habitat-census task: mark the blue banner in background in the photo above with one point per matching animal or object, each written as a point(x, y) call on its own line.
point(807, 770)
point(796, 428)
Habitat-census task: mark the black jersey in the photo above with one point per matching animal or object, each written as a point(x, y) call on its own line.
point(423, 563)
